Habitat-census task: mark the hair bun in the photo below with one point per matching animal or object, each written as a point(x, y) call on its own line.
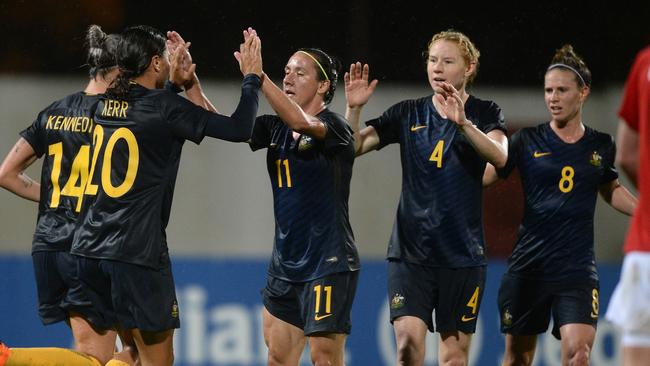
point(95, 36)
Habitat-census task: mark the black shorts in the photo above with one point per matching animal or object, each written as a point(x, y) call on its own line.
point(58, 287)
point(319, 306)
point(526, 305)
point(130, 296)
point(454, 293)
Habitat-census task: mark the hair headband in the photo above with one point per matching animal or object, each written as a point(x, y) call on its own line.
point(317, 63)
point(567, 67)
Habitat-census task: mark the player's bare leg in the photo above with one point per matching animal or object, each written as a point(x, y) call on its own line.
point(454, 348)
point(635, 356)
point(88, 340)
point(327, 349)
point(520, 350)
point(577, 342)
point(410, 334)
point(154, 349)
point(285, 341)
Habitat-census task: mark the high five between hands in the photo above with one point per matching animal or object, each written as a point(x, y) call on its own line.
point(249, 55)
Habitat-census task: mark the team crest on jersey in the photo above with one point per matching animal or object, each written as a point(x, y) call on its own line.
point(305, 143)
point(397, 302)
point(175, 310)
point(596, 159)
point(506, 318)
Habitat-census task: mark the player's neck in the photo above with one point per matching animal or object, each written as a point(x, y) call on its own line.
point(99, 84)
point(570, 131)
point(313, 107)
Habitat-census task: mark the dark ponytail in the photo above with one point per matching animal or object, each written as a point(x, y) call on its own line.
point(137, 46)
point(331, 66)
point(101, 53)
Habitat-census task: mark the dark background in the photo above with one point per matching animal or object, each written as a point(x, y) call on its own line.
point(517, 40)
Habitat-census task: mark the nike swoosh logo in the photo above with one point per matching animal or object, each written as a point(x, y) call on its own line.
point(317, 318)
point(415, 128)
point(467, 319)
point(538, 154)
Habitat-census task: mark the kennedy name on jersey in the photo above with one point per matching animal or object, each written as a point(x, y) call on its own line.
point(70, 123)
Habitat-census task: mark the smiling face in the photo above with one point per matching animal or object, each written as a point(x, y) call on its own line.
point(301, 82)
point(446, 64)
point(563, 96)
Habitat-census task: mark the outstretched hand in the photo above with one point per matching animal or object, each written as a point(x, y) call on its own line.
point(450, 105)
point(180, 73)
point(357, 88)
point(249, 55)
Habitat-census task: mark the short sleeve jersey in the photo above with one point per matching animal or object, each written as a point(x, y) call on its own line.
point(635, 110)
point(310, 180)
point(61, 135)
point(137, 145)
point(561, 182)
point(439, 217)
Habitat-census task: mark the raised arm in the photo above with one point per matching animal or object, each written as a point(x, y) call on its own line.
point(291, 113)
point(357, 94)
point(239, 127)
point(618, 197)
point(182, 63)
point(493, 146)
point(12, 176)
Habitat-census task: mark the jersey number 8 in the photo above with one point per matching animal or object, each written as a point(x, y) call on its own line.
point(566, 182)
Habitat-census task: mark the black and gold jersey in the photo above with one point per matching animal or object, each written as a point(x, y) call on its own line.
point(561, 182)
point(61, 134)
point(310, 180)
point(439, 217)
point(135, 156)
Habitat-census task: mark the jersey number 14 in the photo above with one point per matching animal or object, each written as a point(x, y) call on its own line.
point(79, 183)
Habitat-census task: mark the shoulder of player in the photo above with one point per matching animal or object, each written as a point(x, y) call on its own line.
point(599, 137)
point(483, 105)
point(328, 116)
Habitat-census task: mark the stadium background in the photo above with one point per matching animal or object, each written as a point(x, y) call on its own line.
point(221, 227)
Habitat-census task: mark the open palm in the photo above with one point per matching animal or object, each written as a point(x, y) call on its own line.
point(357, 88)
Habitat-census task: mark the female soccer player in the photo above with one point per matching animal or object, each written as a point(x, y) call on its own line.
point(563, 165)
point(436, 252)
point(137, 141)
point(62, 136)
point(313, 272)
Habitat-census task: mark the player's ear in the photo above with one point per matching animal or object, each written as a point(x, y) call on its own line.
point(156, 63)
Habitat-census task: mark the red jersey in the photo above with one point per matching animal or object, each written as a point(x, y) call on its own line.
point(635, 110)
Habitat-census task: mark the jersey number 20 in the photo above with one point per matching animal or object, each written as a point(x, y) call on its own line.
point(78, 183)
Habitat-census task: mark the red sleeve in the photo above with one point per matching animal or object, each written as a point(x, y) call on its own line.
point(629, 110)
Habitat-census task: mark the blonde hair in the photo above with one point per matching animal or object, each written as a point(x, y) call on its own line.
point(468, 50)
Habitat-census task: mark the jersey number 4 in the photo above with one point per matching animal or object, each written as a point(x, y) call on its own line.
point(79, 183)
point(436, 155)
